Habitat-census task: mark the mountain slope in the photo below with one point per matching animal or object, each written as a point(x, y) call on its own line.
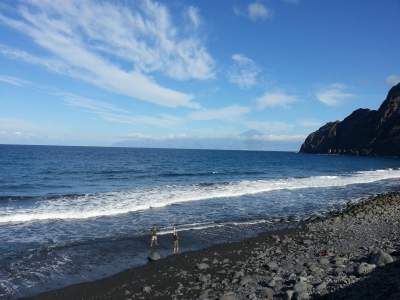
point(363, 132)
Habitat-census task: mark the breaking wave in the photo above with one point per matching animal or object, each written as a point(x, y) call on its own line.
point(114, 203)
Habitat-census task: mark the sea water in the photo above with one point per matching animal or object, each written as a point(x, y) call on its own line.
point(74, 214)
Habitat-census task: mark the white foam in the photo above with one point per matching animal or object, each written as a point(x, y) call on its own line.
point(109, 204)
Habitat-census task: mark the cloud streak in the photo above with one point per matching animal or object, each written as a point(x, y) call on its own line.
point(144, 38)
point(228, 113)
point(13, 80)
point(393, 79)
point(275, 99)
point(334, 94)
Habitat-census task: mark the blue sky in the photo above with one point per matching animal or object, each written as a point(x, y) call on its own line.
point(204, 74)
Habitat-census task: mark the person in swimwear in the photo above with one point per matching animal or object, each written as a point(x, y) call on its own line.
point(153, 237)
point(175, 239)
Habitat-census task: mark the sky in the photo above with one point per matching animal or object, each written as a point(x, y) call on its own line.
point(252, 75)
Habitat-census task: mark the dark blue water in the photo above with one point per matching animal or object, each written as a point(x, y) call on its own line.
point(72, 214)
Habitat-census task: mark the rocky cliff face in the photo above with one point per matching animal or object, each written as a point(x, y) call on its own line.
point(364, 132)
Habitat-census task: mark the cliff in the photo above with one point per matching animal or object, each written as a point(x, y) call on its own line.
point(363, 132)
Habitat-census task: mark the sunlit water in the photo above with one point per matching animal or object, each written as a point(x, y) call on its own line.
point(72, 214)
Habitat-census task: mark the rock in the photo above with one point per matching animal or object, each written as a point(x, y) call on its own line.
point(272, 266)
point(267, 293)
point(238, 274)
point(289, 295)
point(302, 296)
point(146, 289)
point(153, 256)
point(246, 280)
point(301, 287)
point(324, 261)
point(364, 132)
point(321, 287)
point(364, 269)
point(127, 292)
point(202, 266)
point(229, 296)
point(381, 258)
point(205, 278)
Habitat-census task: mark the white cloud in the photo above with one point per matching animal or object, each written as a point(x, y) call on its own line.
point(309, 123)
point(393, 79)
point(193, 15)
point(18, 130)
point(334, 94)
point(227, 113)
point(275, 99)
point(90, 104)
point(244, 71)
point(279, 138)
point(81, 36)
point(13, 80)
point(263, 126)
point(113, 114)
point(257, 11)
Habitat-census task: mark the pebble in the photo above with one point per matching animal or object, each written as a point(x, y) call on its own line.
point(202, 266)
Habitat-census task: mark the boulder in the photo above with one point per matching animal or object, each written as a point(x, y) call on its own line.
point(153, 256)
point(381, 258)
point(364, 269)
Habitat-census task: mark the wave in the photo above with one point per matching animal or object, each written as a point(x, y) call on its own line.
point(114, 203)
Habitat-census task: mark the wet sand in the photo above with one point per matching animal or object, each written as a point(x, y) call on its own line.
point(352, 254)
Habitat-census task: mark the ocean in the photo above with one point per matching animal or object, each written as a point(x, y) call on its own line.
point(75, 214)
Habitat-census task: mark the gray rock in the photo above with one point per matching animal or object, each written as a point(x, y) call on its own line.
point(153, 256)
point(202, 266)
point(246, 280)
point(364, 269)
point(302, 296)
point(301, 287)
point(272, 266)
point(324, 261)
point(381, 258)
point(146, 289)
point(321, 287)
point(267, 293)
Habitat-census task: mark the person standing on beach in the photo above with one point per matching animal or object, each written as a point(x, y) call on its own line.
point(153, 236)
point(175, 238)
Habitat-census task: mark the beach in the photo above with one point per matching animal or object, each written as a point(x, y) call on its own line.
point(349, 254)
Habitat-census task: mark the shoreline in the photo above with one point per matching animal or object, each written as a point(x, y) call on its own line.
point(321, 258)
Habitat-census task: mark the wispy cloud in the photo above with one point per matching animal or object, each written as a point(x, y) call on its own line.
point(193, 15)
point(13, 80)
point(114, 114)
point(393, 79)
point(228, 113)
point(269, 127)
point(244, 71)
point(279, 137)
point(309, 123)
point(275, 99)
point(81, 36)
point(334, 94)
point(255, 11)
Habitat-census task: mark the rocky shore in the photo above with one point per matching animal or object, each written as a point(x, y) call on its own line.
point(352, 254)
